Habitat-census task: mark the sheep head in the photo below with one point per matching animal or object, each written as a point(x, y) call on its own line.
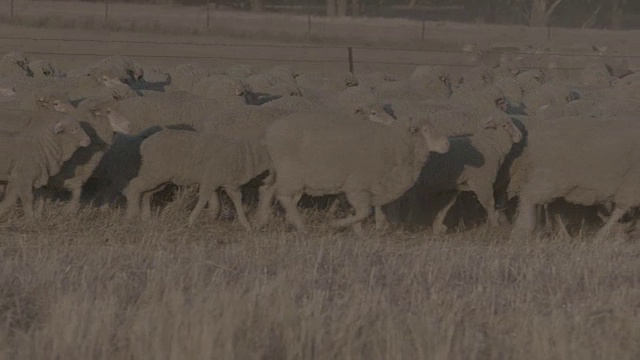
point(502, 121)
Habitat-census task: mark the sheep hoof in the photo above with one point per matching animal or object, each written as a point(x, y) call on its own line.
point(440, 229)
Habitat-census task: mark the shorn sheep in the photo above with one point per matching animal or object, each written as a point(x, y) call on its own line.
point(188, 157)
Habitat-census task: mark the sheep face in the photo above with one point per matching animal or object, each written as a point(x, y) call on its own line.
point(435, 141)
point(504, 122)
point(71, 129)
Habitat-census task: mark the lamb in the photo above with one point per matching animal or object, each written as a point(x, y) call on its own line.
point(33, 155)
point(101, 127)
point(471, 164)
point(329, 153)
point(585, 174)
point(188, 157)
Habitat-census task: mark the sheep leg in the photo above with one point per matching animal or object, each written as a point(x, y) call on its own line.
point(616, 215)
point(439, 228)
point(214, 206)
point(25, 194)
point(361, 202)
point(41, 201)
point(526, 220)
point(291, 211)
point(204, 194)
point(381, 218)
point(10, 198)
point(74, 204)
point(132, 193)
point(485, 197)
point(266, 194)
point(236, 196)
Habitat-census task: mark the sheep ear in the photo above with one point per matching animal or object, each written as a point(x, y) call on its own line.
point(58, 128)
point(490, 124)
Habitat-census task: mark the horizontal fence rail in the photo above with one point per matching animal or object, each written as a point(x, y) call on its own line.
point(303, 46)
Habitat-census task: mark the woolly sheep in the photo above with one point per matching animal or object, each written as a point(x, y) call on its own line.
point(474, 79)
point(116, 66)
point(184, 76)
point(471, 164)
point(101, 127)
point(549, 93)
point(585, 174)
point(14, 65)
point(277, 81)
point(225, 90)
point(328, 153)
point(44, 68)
point(164, 109)
point(33, 155)
point(121, 163)
point(426, 82)
point(188, 157)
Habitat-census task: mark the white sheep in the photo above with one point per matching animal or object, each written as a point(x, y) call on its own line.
point(600, 164)
point(33, 155)
point(188, 157)
point(471, 164)
point(101, 127)
point(330, 153)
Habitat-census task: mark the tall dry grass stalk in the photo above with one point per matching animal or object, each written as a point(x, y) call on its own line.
point(95, 287)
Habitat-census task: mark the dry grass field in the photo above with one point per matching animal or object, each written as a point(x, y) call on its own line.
point(92, 286)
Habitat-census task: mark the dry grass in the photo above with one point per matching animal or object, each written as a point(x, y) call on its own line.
point(94, 287)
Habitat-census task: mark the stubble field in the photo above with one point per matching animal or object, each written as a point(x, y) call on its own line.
point(92, 286)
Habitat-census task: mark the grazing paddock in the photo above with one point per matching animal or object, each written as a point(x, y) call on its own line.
point(93, 285)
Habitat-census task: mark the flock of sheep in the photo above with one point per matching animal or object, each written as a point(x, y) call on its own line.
point(374, 143)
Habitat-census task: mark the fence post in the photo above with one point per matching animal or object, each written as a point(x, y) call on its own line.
point(350, 52)
point(422, 32)
point(208, 13)
point(106, 10)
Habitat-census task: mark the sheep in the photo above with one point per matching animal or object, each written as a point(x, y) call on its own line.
point(426, 82)
point(471, 164)
point(33, 155)
point(116, 66)
point(43, 68)
point(474, 79)
point(207, 159)
point(101, 127)
point(585, 173)
point(14, 65)
point(530, 80)
point(330, 153)
point(278, 81)
point(185, 76)
point(225, 90)
point(121, 163)
point(549, 93)
point(164, 109)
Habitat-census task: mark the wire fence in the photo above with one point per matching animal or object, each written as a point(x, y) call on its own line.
point(350, 56)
